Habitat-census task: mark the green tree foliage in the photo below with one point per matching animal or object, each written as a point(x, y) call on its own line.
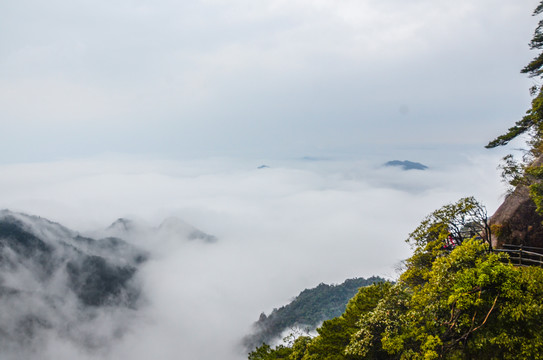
point(460, 220)
point(309, 308)
point(334, 335)
point(474, 305)
point(265, 352)
point(466, 303)
point(294, 350)
point(454, 223)
point(367, 342)
point(535, 186)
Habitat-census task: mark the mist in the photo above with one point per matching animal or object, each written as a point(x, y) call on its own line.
point(279, 229)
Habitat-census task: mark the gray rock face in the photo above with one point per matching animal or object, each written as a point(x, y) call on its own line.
point(516, 221)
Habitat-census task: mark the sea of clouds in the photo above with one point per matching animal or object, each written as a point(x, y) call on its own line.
point(279, 229)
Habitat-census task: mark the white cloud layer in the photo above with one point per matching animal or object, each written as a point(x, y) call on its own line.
point(280, 230)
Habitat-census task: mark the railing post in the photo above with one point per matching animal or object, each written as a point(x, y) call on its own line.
point(520, 255)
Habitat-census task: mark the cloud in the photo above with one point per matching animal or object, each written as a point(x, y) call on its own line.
point(279, 229)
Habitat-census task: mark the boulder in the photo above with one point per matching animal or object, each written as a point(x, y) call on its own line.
point(516, 221)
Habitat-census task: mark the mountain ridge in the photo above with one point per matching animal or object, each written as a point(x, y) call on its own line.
point(307, 310)
point(55, 281)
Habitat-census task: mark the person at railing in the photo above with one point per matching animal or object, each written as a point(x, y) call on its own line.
point(450, 243)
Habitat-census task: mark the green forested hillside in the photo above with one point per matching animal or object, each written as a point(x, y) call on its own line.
point(308, 309)
point(462, 303)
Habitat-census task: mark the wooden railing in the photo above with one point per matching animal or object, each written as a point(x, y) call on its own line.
point(523, 255)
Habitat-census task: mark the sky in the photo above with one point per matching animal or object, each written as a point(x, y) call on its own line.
point(147, 110)
point(272, 78)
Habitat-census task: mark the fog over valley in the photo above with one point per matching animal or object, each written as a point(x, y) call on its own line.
point(225, 241)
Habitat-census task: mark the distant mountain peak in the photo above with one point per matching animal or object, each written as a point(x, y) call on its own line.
point(171, 229)
point(123, 228)
point(125, 224)
point(407, 165)
point(174, 226)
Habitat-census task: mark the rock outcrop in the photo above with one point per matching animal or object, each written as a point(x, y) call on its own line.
point(516, 221)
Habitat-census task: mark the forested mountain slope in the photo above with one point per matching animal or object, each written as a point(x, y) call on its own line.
point(81, 290)
point(52, 280)
point(310, 308)
point(460, 302)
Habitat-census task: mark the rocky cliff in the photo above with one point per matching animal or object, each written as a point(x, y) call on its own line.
point(516, 221)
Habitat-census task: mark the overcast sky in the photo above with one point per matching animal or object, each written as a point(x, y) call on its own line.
point(273, 78)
